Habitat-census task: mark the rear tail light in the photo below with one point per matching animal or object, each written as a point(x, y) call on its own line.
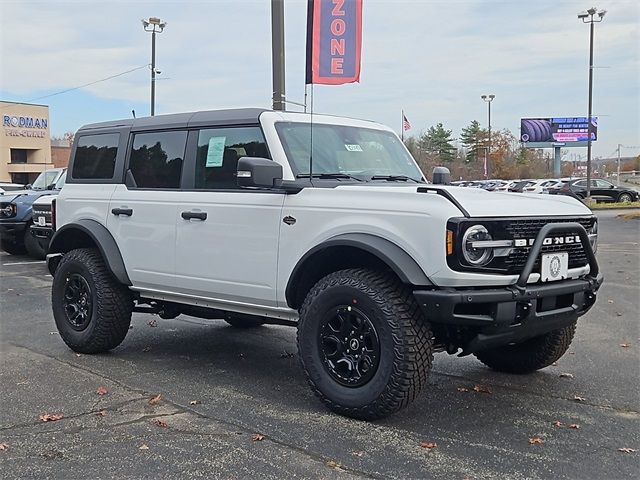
point(53, 214)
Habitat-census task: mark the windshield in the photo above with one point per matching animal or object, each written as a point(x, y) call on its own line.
point(60, 182)
point(351, 151)
point(45, 179)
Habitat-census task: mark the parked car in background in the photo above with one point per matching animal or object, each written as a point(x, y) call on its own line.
point(506, 186)
point(10, 187)
point(539, 186)
point(16, 214)
point(601, 190)
point(519, 186)
point(41, 227)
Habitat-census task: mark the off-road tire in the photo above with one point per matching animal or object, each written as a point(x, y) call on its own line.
point(33, 246)
point(405, 340)
point(112, 303)
point(15, 247)
point(530, 355)
point(238, 320)
point(624, 197)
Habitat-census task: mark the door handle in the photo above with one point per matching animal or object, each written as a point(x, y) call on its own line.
point(122, 211)
point(197, 215)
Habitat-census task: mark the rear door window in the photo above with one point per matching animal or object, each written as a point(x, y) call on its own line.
point(95, 156)
point(156, 159)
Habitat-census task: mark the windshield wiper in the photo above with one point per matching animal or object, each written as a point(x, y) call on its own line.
point(329, 176)
point(395, 178)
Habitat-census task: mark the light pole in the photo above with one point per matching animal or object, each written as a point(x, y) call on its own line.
point(588, 17)
point(153, 25)
point(488, 99)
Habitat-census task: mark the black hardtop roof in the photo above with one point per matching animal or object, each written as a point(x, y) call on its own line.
point(236, 116)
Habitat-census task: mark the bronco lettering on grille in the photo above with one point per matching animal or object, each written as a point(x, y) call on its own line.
point(527, 242)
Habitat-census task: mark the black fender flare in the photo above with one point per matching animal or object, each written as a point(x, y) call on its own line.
point(397, 259)
point(63, 239)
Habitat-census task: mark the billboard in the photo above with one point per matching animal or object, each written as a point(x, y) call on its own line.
point(545, 132)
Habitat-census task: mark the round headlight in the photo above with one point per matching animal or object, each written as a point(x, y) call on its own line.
point(475, 255)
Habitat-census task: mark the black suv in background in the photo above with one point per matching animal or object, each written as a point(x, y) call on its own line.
point(601, 190)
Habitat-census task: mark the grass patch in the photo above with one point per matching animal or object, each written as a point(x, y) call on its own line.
point(635, 215)
point(607, 206)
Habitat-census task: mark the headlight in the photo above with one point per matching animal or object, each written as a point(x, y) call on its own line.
point(475, 255)
point(593, 236)
point(8, 211)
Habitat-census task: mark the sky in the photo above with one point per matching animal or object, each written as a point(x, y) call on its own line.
point(434, 59)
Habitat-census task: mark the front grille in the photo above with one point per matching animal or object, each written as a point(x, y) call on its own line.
point(527, 229)
point(42, 211)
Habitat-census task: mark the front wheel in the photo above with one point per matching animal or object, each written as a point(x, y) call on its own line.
point(530, 355)
point(91, 308)
point(624, 198)
point(365, 346)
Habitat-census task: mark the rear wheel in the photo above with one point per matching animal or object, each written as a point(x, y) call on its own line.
point(91, 308)
point(530, 355)
point(364, 344)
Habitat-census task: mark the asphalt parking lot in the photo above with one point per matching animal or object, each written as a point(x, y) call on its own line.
point(219, 387)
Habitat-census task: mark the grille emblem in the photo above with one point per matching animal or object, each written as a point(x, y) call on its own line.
point(567, 240)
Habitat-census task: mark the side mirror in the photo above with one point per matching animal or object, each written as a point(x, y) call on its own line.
point(441, 176)
point(258, 172)
point(28, 186)
point(50, 187)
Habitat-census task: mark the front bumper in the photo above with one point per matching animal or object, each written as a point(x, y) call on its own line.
point(12, 228)
point(499, 316)
point(44, 233)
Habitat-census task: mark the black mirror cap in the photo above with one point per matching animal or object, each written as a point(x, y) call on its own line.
point(258, 172)
point(441, 176)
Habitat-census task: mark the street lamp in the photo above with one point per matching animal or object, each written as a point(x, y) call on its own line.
point(488, 99)
point(588, 17)
point(153, 25)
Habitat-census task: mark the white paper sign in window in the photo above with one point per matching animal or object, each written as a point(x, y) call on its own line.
point(215, 152)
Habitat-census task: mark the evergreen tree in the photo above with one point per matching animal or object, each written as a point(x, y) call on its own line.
point(437, 143)
point(474, 138)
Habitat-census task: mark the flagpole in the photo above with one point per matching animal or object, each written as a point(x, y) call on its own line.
point(402, 126)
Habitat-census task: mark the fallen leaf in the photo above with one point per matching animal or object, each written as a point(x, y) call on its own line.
point(627, 450)
point(462, 389)
point(574, 426)
point(557, 423)
point(618, 314)
point(78, 354)
point(155, 400)
point(625, 345)
point(536, 441)
point(554, 364)
point(195, 402)
point(102, 391)
point(4, 446)
point(51, 417)
point(481, 389)
point(332, 464)
point(357, 454)
point(566, 375)
point(143, 447)
point(572, 353)
point(101, 413)
point(152, 323)
point(579, 399)
point(256, 437)
point(160, 423)
point(609, 301)
point(428, 445)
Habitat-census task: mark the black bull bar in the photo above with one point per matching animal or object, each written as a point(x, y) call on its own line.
point(520, 311)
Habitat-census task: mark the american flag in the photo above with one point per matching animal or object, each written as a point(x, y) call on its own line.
point(405, 123)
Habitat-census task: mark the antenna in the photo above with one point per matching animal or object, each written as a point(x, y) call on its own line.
point(311, 140)
point(133, 112)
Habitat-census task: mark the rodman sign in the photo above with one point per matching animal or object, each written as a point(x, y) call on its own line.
point(334, 41)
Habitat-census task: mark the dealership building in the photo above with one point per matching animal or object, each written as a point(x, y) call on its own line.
point(25, 143)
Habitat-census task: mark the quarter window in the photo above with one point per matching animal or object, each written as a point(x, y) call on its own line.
point(218, 152)
point(96, 156)
point(156, 159)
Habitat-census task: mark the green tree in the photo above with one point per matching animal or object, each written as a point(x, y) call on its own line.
point(474, 138)
point(437, 142)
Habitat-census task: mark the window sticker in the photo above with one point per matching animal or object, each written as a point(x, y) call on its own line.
point(353, 148)
point(215, 152)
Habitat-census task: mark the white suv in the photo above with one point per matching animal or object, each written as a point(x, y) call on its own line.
point(328, 224)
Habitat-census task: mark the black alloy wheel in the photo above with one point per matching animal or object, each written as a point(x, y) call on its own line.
point(77, 302)
point(349, 346)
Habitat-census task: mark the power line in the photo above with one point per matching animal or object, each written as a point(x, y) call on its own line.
point(89, 84)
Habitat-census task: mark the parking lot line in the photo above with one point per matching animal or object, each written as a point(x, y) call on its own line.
point(23, 263)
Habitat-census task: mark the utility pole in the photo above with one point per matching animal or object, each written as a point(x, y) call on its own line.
point(277, 53)
point(619, 145)
point(584, 16)
point(488, 99)
point(153, 25)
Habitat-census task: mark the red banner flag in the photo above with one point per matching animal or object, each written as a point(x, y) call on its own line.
point(334, 41)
